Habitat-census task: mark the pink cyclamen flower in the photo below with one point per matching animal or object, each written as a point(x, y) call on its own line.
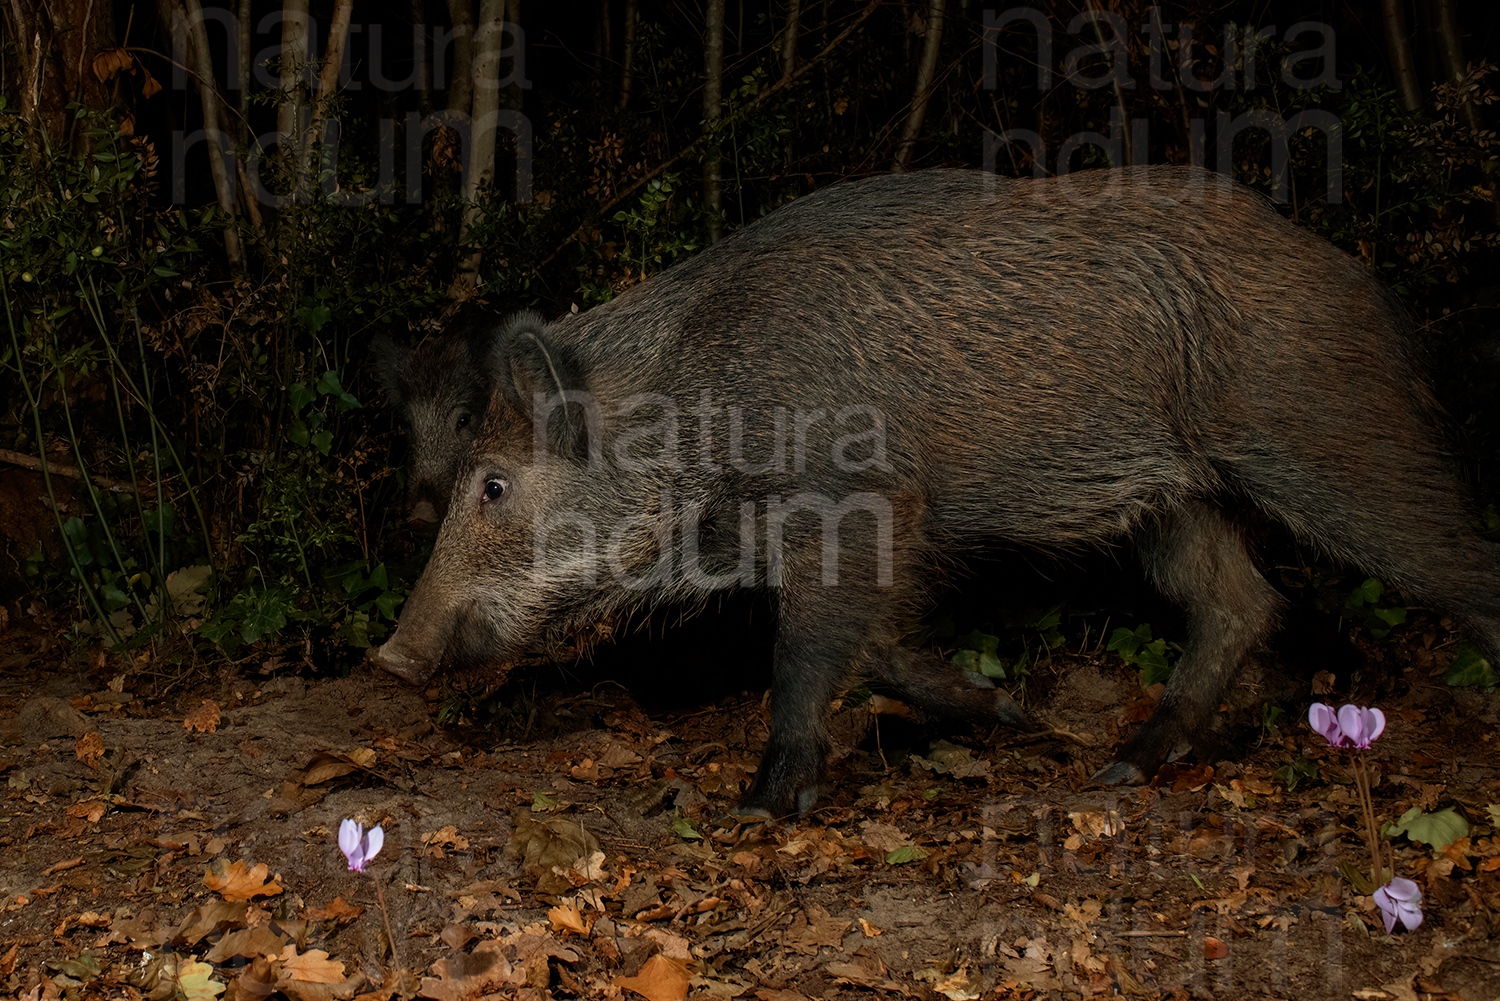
point(1326, 722)
point(1400, 900)
point(1361, 726)
point(358, 847)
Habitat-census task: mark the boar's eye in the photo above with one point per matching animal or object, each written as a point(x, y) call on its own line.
point(463, 422)
point(495, 488)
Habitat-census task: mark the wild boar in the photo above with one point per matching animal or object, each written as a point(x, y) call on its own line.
point(846, 397)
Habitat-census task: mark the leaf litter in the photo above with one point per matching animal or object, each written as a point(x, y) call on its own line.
point(148, 858)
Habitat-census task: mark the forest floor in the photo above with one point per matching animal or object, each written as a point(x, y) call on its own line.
point(161, 842)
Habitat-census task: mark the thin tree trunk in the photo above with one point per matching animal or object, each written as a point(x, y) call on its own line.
point(515, 94)
point(606, 43)
point(713, 81)
point(460, 79)
point(1126, 139)
point(1451, 47)
point(627, 60)
point(27, 32)
point(242, 71)
point(922, 93)
point(327, 86)
point(1403, 65)
point(333, 53)
point(423, 72)
point(290, 112)
point(488, 35)
point(789, 39)
point(208, 95)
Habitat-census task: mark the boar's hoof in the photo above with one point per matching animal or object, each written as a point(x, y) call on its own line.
point(413, 672)
point(1010, 712)
point(747, 815)
point(1120, 773)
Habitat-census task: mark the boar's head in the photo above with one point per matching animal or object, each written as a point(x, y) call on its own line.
point(441, 388)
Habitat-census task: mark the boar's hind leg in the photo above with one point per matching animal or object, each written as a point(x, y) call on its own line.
point(1197, 557)
point(942, 689)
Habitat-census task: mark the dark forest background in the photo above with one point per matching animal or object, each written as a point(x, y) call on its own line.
point(194, 455)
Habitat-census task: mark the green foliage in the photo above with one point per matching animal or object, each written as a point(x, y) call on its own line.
point(1436, 830)
point(1363, 608)
point(1299, 771)
point(979, 652)
point(1270, 715)
point(1137, 649)
point(684, 829)
point(1470, 667)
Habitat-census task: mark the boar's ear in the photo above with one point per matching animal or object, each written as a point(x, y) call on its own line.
point(544, 381)
point(389, 357)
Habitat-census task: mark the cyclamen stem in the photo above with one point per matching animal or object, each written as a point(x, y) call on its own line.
point(385, 917)
point(1361, 772)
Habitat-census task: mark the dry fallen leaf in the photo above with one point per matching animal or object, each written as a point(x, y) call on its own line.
point(446, 837)
point(1214, 948)
point(566, 917)
point(236, 882)
point(89, 749)
point(204, 719)
point(661, 979)
point(247, 943)
point(91, 810)
point(339, 910)
point(814, 928)
point(312, 967)
point(463, 977)
point(195, 982)
point(65, 864)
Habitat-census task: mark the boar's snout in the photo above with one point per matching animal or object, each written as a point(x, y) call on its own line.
point(412, 670)
point(423, 512)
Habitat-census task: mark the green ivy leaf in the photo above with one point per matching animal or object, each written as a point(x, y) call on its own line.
point(301, 396)
point(1436, 830)
point(1470, 667)
point(313, 317)
point(329, 385)
point(684, 829)
point(1152, 660)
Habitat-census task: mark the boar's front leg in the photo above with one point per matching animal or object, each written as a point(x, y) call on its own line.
point(1197, 556)
point(830, 614)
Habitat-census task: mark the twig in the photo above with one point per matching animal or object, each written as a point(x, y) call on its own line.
point(61, 469)
point(1032, 738)
point(1151, 934)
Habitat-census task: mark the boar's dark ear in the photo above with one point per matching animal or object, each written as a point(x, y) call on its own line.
point(544, 381)
point(389, 357)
